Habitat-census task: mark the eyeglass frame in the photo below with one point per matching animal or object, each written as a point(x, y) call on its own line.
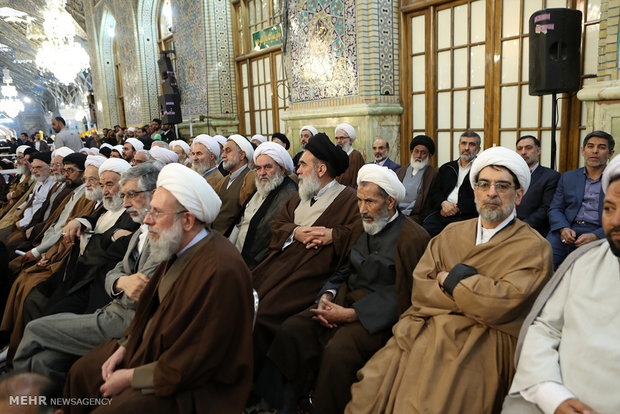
point(155, 214)
point(501, 187)
point(132, 194)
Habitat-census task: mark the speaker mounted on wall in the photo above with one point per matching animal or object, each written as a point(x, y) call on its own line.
point(555, 51)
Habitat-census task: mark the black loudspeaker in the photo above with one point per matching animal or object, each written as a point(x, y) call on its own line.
point(92, 107)
point(555, 40)
point(165, 66)
point(168, 79)
point(170, 86)
point(170, 108)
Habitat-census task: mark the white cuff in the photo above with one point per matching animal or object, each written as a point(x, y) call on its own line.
point(290, 239)
point(35, 253)
point(547, 395)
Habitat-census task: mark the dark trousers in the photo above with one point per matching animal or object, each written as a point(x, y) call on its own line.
point(561, 250)
point(434, 223)
point(311, 356)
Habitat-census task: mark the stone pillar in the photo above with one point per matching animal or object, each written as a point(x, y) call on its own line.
point(342, 61)
point(603, 97)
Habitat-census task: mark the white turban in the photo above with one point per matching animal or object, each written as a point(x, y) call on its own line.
point(309, 128)
point(118, 148)
point(117, 165)
point(259, 137)
point(191, 190)
point(384, 178)
point(220, 139)
point(612, 169)
point(62, 151)
point(164, 155)
point(278, 153)
point(182, 144)
point(21, 149)
point(209, 143)
point(348, 129)
point(106, 145)
point(502, 157)
point(245, 146)
point(93, 151)
point(135, 143)
point(131, 129)
point(83, 150)
point(95, 161)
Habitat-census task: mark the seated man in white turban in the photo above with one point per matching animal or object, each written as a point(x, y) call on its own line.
point(163, 155)
point(258, 139)
point(345, 136)
point(52, 343)
point(323, 347)
point(189, 346)
point(238, 185)
point(567, 356)
point(182, 150)
point(205, 158)
point(452, 350)
point(252, 234)
point(130, 147)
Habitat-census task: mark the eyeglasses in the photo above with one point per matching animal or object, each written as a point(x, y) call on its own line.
point(155, 214)
point(70, 170)
point(132, 194)
point(90, 180)
point(500, 187)
point(56, 165)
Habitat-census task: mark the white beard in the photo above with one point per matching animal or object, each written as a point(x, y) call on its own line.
point(309, 186)
point(21, 169)
point(201, 167)
point(59, 178)
point(417, 165)
point(167, 244)
point(264, 188)
point(346, 147)
point(379, 222)
point(113, 205)
point(94, 194)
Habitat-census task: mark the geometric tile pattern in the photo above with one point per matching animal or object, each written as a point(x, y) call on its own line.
point(126, 39)
point(386, 46)
point(323, 49)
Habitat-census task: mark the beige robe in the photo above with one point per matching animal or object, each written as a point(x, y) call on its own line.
point(454, 354)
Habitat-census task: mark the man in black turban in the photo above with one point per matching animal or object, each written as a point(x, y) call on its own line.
point(309, 237)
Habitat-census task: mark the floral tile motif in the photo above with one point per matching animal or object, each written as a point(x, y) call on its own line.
point(323, 49)
point(130, 72)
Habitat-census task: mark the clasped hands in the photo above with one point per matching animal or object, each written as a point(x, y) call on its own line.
point(330, 315)
point(115, 380)
point(313, 236)
point(448, 209)
point(569, 236)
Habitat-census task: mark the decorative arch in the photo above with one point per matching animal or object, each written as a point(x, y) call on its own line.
point(147, 47)
point(106, 65)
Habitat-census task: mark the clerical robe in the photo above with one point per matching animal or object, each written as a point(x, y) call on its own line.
point(190, 341)
point(454, 353)
point(572, 333)
point(349, 177)
point(233, 196)
point(288, 280)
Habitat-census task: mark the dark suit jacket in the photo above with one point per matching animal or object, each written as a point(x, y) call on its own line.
point(447, 178)
point(568, 199)
point(535, 203)
point(390, 164)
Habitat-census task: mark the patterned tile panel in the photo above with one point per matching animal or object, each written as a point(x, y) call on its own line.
point(125, 26)
point(322, 47)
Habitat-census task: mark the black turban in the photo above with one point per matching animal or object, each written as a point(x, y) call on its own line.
point(75, 158)
point(283, 138)
point(46, 157)
point(322, 148)
point(105, 151)
point(423, 140)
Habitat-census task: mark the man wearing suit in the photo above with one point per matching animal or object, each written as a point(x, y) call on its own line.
point(52, 343)
point(575, 212)
point(381, 149)
point(535, 203)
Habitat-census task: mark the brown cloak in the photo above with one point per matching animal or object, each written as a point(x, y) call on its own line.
point(288, 281)
point(454, 354)
point(195, 340)
point(349, 177)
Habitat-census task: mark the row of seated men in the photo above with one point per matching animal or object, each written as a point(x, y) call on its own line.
point(159, 305)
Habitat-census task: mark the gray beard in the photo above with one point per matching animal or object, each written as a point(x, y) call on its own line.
point(201, 167)
point(93, 195)
point(40, 178)
point(21, 169)
point(467, 157)
point(417, 165)
point(346, 147)
point(264, 188)
point(168, 243)
point(230, 165)
point(59, 178)
point(498, 214)
point(114, 205)
point(141, 214)
point(379, 222)
point(309, 186)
